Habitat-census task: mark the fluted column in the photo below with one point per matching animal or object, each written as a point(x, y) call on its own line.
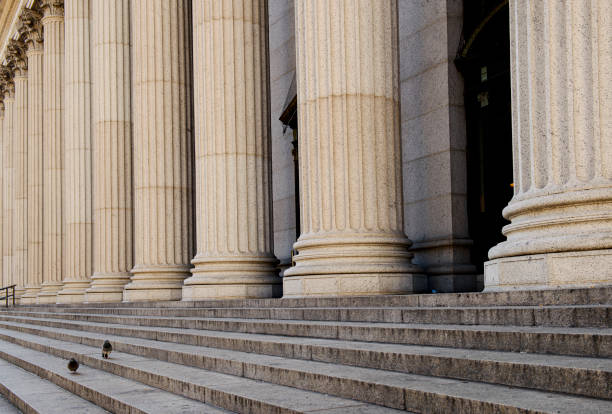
point(34, 275)
point(53, 149)
point(352, 240)
point(232, 119)
point(163, 141)
point(8, 194)
point(112, 151)
point(20, 161)
point(77, 171)
point(561, 213)
point(3, 275)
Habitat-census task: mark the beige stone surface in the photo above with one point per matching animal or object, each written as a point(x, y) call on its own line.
point(163, 149)
point(4, 278)
point(34, 273)
point(20, 162)
point(561, 213)
point(77, 173)
point(8, 197)
point(235, 257)
point(112, 151)
point(53, 150)
point(352, 238)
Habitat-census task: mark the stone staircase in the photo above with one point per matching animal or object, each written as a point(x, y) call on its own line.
point(517, 352)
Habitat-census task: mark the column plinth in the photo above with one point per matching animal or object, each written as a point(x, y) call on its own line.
point(77, 173)
point(560, 233)
point(35, 159)
point(352, 240)
point(53, 150)
point(163, 141)
point(235, 256)
point(112, 151)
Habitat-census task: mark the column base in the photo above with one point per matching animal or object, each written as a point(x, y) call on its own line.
point(73, 291)
point(107, 287)
point(48, 293)
point(233, 277)
point(576, 269)
point(158, 283)
point(29, 297)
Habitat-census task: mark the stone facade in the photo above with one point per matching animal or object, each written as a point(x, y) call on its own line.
point(143, 157)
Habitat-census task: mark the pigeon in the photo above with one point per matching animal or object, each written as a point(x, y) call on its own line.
point(107, 348)
point(73, 365)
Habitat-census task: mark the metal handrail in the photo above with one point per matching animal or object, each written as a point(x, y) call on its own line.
point(7, 295)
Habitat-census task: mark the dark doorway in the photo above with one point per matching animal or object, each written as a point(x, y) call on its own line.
point(484, 61)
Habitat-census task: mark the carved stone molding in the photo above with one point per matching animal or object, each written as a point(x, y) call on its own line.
point(32, 28)
point(52, 8)
point(15, 53)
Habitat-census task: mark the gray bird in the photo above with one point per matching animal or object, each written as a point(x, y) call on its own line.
point(107, 348)
point(73, 365)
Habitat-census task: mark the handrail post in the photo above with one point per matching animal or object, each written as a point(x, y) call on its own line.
point(13, 296)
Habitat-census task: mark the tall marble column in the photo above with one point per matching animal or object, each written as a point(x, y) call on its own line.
point(53, 149)
point(8, 195)
point(3, 275)
point(112, 151)
point(77, 169)
point(560, 233)
point(35, 157)
point(163, 214)
point(235, 256)
point(20, 163)
point(352, 240)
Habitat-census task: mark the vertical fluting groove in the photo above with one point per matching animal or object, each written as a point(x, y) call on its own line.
point(77, 252)
point(162, 149)
point(35, 168)
point(111, 149)
point(350, 151)
point(232, 134)
point(20, 134)
point(8, 187)
point(604, 33)
point(53, 150)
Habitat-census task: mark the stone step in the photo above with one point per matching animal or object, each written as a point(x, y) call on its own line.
point(178, 388)
point(412, 392)
point(580, 376)
point(18, 386)
point(265, 335)
point(7, 408)
point(590, 296)
point(111, 392)
point(561, 316)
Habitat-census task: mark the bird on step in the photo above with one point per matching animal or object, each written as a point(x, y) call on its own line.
point(73, 365)
point(107, 348)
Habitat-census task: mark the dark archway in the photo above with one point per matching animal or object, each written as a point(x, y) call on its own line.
point(484, 61)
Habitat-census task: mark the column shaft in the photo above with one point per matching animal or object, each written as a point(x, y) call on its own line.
point(53, 150)
point(352, 240)
point(233, 164)
point(112, 151)
point(77, 173)
point(163, 151)
point(35, 171)
point(561, 213)
point(20, 160)
point(8, 194)
point(3, 275)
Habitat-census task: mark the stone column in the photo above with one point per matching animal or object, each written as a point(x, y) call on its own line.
point(77, 171)
point(561, 213)
point(8, 195)
point(352, 240)
point(3, 275)
point(163, 143)
point(34, 54)
point(53, 149)
point(112, 151)
point(235, 256)
point(20, 163)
